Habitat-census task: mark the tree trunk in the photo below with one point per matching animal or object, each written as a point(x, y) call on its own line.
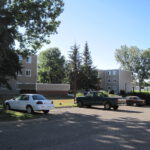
point(75, 85)
point(140, 85)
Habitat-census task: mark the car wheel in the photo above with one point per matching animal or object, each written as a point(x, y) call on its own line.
point(29, 110)
point(128, 104)
point(115, 107)
point(107, 106)
point(45, 111)
point(79, 104)
point(7, 107)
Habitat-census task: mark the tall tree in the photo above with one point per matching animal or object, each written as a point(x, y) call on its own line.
point(74, 65)
point(27, 24)
point(135, 60)
point(51, 66)
point(89, 73)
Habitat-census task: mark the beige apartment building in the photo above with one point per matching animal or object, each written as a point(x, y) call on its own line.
point(115, 80)
point(26, 80)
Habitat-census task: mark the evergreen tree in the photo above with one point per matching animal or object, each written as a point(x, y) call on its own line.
point(89, 77)
point(74, 65)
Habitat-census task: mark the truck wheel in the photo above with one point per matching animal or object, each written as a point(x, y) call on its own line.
point(88, 106)
point(45, 111)
point(107, 106)
point(80, 104)
point(115, 107)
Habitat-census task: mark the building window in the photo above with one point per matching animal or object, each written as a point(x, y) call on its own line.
point(28, 60)
point(114, 73)
point(20, 58)
point(28, 72)
point(108, 80)
point(114, 80)
point(20, 73)
point(108, 88)
point(109, 73)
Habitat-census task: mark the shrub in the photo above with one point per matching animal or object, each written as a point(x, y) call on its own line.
point(122, 93)
point(79, 94)
point(104, 93)
point(111, 92)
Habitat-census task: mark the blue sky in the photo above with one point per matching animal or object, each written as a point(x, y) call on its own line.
point(105, 25)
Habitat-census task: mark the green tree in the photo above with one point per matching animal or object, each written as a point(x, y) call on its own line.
point(135, 60)
point(27, 24)
point(74, 65)
point(89, 73)
point(51, 66)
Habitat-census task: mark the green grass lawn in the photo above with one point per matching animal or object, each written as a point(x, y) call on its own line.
point(64, 102)
point(142, 92)
point(11, 115)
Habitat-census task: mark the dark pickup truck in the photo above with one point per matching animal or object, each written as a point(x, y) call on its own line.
point(98, 98)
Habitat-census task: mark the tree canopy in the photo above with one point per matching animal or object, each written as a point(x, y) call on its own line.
point(25, 25)
point(51, 66)
point(135, 60)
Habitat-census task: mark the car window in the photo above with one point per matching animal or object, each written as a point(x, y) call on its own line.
point(18, 97)
point(38, 97)
point(24, 97)
point(100, 94)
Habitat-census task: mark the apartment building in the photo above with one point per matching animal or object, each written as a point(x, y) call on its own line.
point(26, 80)
point(115, 80)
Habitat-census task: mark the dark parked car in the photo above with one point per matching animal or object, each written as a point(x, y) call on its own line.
point(98, 98)
point(134, 101)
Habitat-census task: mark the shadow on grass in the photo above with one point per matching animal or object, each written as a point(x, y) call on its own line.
point(14, 115)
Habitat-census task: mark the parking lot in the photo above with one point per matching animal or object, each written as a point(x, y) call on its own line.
point(81, 128)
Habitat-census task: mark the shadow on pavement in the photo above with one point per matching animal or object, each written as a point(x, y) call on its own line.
point(119, 110)
point(74, 131)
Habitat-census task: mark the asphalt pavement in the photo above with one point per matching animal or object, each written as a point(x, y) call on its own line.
point(81, 129)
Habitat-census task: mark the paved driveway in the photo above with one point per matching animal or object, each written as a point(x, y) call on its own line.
point(81, 129)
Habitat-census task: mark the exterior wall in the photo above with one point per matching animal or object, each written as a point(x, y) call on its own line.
point(101, 75)
point(23, 81)
point(125, 80)
point(52, 89)
point(112, 80)
point(116, 80)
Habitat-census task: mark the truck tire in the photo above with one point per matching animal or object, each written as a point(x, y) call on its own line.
point(107, 106)
point(45, 111)
point(115, 107)
point(79, 104)
point(88, 106)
